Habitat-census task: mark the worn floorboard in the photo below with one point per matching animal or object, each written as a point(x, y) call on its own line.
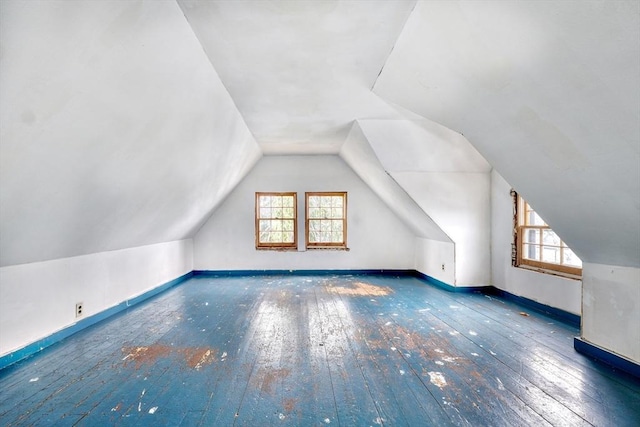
point(318, 350)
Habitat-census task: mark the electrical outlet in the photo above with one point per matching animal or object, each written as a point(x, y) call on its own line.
point(79, 309)
point(442, 267)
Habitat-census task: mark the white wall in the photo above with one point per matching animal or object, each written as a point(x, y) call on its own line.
point(116, 130)
point(554, 291)
point(448, 179)
point(431, 255)
point(611, 308)
point(39, 299)
point(376, 237)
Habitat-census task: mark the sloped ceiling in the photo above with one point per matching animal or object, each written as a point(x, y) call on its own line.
point(115, 131)
point(549, 94)
point(126, 123)
point(300, 72)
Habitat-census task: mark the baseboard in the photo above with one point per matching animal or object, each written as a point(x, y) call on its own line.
point(241, 273)
point(443, 285)
point(604, 356)
point(556, 313)
point(41, 344)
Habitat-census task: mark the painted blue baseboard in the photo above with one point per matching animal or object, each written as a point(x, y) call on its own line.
point(604, 356)
point(564, 316)
point(447, 287)
point(43, 343)
point(241, 273)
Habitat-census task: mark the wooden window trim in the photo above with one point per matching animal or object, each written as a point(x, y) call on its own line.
point(521, 225)
point(326, 245)
point(278, 245)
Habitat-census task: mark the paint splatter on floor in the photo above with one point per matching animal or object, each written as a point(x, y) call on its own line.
point(193, 357)
point(437, 379)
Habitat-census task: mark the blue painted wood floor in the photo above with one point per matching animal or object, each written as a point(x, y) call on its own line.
point(318, 350)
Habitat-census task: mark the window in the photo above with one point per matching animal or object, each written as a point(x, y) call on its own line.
point(326, 220)
point(537, 245)
point(276, 224)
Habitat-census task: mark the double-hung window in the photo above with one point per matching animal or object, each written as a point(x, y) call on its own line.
point(538, 246)
point(276, 222)
point(326, 220)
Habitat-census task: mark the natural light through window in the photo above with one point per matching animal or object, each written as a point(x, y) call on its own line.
point(276, 224)
point(326, 220)
point(539, 246)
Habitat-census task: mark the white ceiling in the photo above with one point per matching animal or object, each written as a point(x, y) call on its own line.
point(300, 72)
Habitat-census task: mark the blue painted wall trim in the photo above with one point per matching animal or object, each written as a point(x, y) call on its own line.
point(605, 356)
point(447, 287)
point(241, 273)
point(564, 316)
point(43, 343)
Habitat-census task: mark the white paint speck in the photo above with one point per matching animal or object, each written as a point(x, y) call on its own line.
point(327, 421)
point(454, 333)
point(492, 353)
point(407, 355)
point(33, 380)
point(437, 350)
point(475, 354)
point(387, 324)
point(203, 330)
point(453, 306)
point(139, 406)
point(281, 416)
point(439, 362)
point(500, 385)
point(394, 314)
point(393, 349)
point(153, 410)
point(474, 333)
point(402, 372)
point(378, 421)
point(437, 379)
point(206, 303)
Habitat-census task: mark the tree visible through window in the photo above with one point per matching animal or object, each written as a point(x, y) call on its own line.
point(276, 223)
point(539, 246)
point(326, 220)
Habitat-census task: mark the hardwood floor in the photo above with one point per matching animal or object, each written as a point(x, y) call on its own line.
point(318, 350)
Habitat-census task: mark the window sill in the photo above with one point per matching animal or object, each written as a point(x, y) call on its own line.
point(548, 271)
point(327, 248)
point(275, 248)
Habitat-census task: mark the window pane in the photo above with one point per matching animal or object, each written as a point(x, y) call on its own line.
point(287, 225)
point(549, 237)
point(287, 237)
point(287, 201)
point(287, 213)
point(534, 219)
point(531, 252)
point(265, 225)
point(551, 254)
point(276, 201)
point(314, 201)
point(336, 213)
point(336, 237)
point(265, 201)
point(570, 258)
point(275, 237)
point(337, 201)
point(531, 235)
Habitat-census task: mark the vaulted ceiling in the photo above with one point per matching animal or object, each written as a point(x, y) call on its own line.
point(127, 123)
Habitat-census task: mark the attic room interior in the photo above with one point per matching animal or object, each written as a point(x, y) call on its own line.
point(320, 212)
